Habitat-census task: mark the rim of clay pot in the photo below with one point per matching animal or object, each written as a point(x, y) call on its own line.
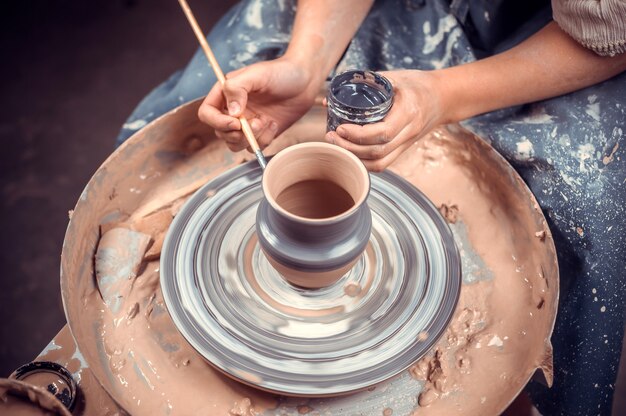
point(308, 148)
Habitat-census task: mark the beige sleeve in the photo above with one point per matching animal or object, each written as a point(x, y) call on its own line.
point(599, 25)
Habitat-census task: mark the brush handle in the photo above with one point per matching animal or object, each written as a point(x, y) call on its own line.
point(204, 44)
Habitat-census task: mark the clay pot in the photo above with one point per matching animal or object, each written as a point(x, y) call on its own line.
point(314, 222)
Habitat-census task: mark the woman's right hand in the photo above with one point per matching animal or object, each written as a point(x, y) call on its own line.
point(272, 95)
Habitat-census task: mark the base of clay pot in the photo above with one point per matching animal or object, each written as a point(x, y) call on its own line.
point(310, 280)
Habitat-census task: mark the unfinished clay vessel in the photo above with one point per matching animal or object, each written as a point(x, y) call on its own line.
point(314, 221)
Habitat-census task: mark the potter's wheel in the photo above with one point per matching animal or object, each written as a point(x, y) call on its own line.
point(243, 317)
point(501, 327)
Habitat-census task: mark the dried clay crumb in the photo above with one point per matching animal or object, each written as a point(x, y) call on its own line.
point(541, 235)
point(449, 212)
point(242, 408)
point(427, 397)
point(304, 409)
point(608, 159)
point(352, 289)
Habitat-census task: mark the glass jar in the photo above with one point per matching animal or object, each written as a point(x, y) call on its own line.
point(358, 97)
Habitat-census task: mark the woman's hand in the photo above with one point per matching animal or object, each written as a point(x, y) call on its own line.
point(416, 109)
point(548, 64)
point(272, 95)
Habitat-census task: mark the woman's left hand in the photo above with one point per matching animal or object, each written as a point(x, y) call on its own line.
point(416, 109)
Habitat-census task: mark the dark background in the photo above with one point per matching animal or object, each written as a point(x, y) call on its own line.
point(71, 72)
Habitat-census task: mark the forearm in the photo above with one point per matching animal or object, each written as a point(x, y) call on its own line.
point(322, 31)
point(548, 64)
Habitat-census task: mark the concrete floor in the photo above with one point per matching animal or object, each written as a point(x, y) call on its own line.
point(72, 72)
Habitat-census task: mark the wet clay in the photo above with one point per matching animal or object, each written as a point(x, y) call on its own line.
point(485, 339)
point(497, 338)
point(315, 199)
point(118, 259)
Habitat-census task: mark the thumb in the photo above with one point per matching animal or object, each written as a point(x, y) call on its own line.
point(237, 87)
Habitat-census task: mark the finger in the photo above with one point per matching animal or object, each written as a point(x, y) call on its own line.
point(210, 111)
point(237, 87)
point(363, 152)
point(269, 134)
point(382, 164)
point(259, 126)
point(375, 133)
point(235, 147)
point(235, 139)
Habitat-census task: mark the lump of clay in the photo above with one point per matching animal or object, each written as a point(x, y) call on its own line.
point(118, 259)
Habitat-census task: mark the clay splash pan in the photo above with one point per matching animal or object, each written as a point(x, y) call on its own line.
point(501, 327)
point(246, 320)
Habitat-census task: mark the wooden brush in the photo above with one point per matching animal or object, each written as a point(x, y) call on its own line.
point(245, 126)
